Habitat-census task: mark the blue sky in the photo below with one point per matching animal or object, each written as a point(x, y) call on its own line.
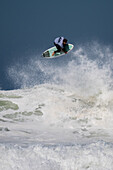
point(32, 25)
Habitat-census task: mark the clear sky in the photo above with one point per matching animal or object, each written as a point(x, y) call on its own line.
point(30, 25)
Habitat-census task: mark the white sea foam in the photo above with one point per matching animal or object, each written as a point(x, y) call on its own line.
point(92, 156)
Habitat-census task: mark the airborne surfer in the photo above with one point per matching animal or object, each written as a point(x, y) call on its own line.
point(60, 44)
point(60, 48)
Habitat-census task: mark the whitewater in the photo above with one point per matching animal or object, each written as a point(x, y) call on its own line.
point(60, 114)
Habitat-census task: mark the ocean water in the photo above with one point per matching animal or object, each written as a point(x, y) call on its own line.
point(60, 114)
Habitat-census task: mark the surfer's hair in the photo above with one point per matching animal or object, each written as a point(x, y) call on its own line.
point(65, 40)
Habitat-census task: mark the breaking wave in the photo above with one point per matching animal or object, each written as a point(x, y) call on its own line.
point(61, 115)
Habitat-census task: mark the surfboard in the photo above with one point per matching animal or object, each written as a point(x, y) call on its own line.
point(48, 52)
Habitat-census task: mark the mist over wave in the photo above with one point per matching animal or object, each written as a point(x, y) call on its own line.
point(88, 68)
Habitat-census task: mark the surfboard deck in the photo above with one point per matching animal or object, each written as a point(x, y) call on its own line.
point(48, 53)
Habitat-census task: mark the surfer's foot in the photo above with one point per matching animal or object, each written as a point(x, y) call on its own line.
point(53, 53)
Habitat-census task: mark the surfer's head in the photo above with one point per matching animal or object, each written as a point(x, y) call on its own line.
point(65, 41)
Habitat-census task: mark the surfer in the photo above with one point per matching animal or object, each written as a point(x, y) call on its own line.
point(60, 44)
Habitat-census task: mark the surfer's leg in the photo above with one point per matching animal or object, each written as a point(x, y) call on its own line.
point(58, 49)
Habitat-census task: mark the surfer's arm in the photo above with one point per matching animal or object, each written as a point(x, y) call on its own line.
point(64, 51)
point(59, 49)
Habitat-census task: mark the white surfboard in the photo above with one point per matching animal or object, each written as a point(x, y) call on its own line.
point(48, 53)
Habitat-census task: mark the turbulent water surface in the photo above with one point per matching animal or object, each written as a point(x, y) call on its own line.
point(61, 116)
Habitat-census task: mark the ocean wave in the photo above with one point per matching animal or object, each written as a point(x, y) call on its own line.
point(61, 115)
